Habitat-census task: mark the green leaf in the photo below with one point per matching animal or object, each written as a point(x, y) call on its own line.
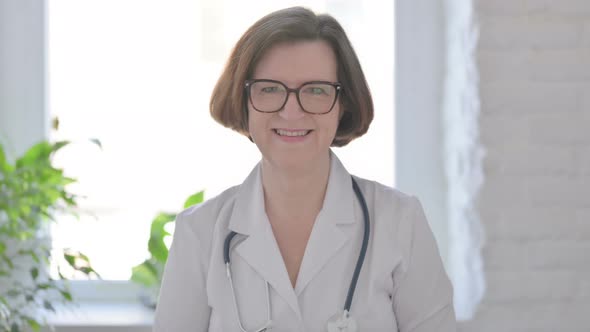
point(66, 180)
point(79, 262)
point(5, 167)
point(86, 270)
point(2, 155)
point(31, 192)
point(58, 145)
point(34, 273)
point(43, 286)
point(61, 276)
point(66, 295)
point(14, 328)
point(69, 200)
point(47, 305)
point(144, 275)
point(34, 256)
point(156, 245)
point(71, 259)
point(8, 262)
point(97, 142)
point(38, 153)
point(33, 324)
point(83, 257)
point(194, 199)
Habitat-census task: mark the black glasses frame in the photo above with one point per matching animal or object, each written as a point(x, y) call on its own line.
point(248, 85)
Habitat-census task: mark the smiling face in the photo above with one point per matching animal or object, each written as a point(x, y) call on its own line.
point(292, 138)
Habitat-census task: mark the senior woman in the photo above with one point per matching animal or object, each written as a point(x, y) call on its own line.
point(301, 245)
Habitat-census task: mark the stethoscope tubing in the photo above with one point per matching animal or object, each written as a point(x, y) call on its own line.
point(363, 252)
point(360, 260)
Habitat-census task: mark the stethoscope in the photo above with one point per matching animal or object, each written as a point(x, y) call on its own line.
point(337, 323)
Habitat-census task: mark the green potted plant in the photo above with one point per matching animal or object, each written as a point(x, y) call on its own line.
point(149, 273)
point(32, 192)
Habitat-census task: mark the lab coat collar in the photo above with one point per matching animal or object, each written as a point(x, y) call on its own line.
point(249, 213)
point(260, 250)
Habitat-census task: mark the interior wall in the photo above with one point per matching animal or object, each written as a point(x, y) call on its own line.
point(533, 59)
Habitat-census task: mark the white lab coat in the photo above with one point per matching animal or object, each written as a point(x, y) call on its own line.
point(402, 284)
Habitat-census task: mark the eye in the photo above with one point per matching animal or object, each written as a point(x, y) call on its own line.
point(269, 89)
point(316, 90)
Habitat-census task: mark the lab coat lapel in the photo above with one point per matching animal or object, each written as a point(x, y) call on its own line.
point(259, 248)
point(333, 226)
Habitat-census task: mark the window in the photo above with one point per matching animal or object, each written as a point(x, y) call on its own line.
point(138, 75)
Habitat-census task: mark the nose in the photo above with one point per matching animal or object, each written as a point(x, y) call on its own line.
point(292, 110)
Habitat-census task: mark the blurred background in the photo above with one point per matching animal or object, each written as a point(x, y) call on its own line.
point(482, 110)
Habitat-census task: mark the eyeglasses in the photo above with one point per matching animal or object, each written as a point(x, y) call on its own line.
point(269, 96)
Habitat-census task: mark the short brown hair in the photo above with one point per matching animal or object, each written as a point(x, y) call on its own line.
point(228, 103)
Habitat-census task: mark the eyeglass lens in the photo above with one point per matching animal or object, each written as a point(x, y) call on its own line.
point(271, 96)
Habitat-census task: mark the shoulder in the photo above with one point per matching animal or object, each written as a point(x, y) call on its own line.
point(201, 218)
point(396, 215)
point(196, 225)
point(385, 198)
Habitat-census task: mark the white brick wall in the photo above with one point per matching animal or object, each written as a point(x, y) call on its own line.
point(534, 64)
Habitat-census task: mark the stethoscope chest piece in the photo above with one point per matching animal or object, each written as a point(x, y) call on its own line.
point(342, 322)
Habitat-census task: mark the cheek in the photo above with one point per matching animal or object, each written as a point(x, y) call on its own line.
point(256, 125)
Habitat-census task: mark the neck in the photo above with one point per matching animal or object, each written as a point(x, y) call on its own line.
point(291, 195)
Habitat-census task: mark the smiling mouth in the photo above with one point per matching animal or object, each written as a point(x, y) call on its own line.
point(291, 133)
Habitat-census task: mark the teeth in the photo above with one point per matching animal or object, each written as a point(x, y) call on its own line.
point(291, 133)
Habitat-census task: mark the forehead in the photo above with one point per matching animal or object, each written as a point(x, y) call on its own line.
point(297, 62)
